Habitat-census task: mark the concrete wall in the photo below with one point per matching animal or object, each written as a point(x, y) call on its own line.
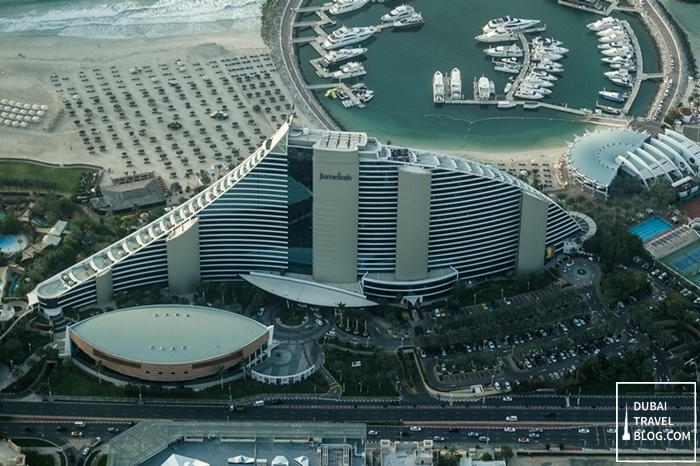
point(533, 232)
point(183, 257)
point(104, 287)
point(335, 211)
point(413, 223)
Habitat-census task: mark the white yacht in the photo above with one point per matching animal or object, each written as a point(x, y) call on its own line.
point(608, 31)
point(622, 72)
point(609, 45)
point(614, 38)
point(485, 88)
point(513, 68)
point(530, 86)
point(603, 23)
point(349, 70)
point(400, 12)
point(345, 6)
point(546, 42)
point(547, 68)
point(504, 51)
point(438, 88)
point(629, 66)
point(617, 51)
point(544, 56)
point(536, 80)
point(623, 81)
point(416, 19)
point(506, 104)
point(508, 22)
point(528, 94)
point(550, 48)
point(614, 96)
point(335, 56)
point(455, 84)
point(543, 75)
point(346, 36)
point(618, 59)
point(497, 35)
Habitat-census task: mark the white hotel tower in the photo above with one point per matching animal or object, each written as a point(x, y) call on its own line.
point(323, 217)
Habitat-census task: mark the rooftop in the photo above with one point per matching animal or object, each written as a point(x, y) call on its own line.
point(168, 334)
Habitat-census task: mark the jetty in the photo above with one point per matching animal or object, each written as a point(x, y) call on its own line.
point(525, 68)
point(604, 12)
point(640, 66)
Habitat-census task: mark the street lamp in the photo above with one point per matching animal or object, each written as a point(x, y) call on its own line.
point(402, 342)
point(528, 286)
point(367, 341)
point(30, 348)
point(501, 293)
point(475, 299)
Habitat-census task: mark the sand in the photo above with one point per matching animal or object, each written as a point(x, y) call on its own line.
point(59, 72)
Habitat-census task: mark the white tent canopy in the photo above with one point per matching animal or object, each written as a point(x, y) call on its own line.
point(280, 461)
point(302, 461)
point(241, 459)
point(179, 460)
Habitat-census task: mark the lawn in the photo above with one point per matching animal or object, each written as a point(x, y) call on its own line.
point(35, 459)
point(492, 291)
point(72, 384)
point(32, 442)
point(67, 179)
point(371, 376)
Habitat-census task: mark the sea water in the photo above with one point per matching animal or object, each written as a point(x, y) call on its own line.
point(400, 66)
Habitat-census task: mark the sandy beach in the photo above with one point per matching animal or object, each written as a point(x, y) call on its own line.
point(109, 103)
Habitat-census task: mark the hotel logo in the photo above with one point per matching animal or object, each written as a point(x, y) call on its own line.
point(338, 177)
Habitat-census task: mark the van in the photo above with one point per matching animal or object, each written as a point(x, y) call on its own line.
point(259, 403)
point(511, 418)
point(79, 424)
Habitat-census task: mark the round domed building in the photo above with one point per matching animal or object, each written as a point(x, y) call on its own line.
point(170, 343)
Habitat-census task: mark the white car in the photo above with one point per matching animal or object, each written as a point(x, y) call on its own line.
point(372, 432)
point(509, 429)
point(583, 430)
point(534, 435)
point(507, 398)
point(415, 429)
point(611, 430)
point(507, 384)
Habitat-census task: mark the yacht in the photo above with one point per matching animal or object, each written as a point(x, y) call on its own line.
point(614, 38)
point(513, 68)
point(618, 59)
point(617, 51)
point(456, 84)
point(509, 86)
point(485, 88)
point(504, 51)
point(620, 72)
point(400, 12)
point(497, 35)
point(623, 80)
point(609, 45)
point(346, 36)
point(548, 68)
point(506, 104)
point(536, 80)
point(438, 88)
point(345, 6)
point(528, 86)
point(335, 56)
point(614, 96)
point(542, 56)
point(543, 75)
point(349, 70)
point(508, 22)
point(550, 48)
point(608, 31)
point(416, 19)
point(528, 94)
point(603, 23)
point(546, 42)
point(628, 66)
point(546, 62)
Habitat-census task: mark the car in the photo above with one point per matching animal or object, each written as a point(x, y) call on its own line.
point(372, 432)
point(507, 384)
point(534, 435)
point(438, 438)
point(437, 313)
point(277, 402)
point(76, 433)
point(584, 430)
point(509, 429)
point(497, 385)
point(570, 264)
point(422, 354)
point(484, 439)
point(668, 430)
point(113, 430)
point(319, 322)
point(641, 430)
point(473, 434)
point(29, 429)
point(444, 353)
point(511, 418)
point(523, 440)
point(507, 301)
point(654, 358)
point(453, 429)
point(61, 429)
point(416, 429)
point(507, 398)
point(491, 345)
point(536, 429)
point(528, 364)
point(86, 451)
point(550, 414)
point(611, 430)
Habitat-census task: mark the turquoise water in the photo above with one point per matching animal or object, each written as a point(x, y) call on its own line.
point(688, 17)
point(400, 66)
point(650, 228)
point(9, 243)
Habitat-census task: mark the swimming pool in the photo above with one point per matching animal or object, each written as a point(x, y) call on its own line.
point(651, 228)
point(10, 244)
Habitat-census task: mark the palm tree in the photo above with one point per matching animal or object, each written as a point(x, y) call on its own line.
point(188, 175)
point(98, 368)
point(341, 309)
point(220, 372)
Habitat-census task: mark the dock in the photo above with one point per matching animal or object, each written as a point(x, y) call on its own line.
point(525, 68)
point(640, 66)
point(605, 12)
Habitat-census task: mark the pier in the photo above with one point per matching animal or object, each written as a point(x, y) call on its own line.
point(640, 66)
point(605, 12)
point(525, 68)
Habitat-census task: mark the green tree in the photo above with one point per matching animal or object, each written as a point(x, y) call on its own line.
point(98, 368)
point(506, 453)
point(486, 457)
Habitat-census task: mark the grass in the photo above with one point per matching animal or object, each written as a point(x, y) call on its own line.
point(67, 179)
point(36, 340)
point(73, 384)
point(103, 460)
point(32, 442)
point(492, 291)
point(291, 316)
point(35, 459)
point(366, 372)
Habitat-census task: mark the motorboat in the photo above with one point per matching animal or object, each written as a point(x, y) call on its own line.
point(456, 84)
point(545, 41)
point(349, 70)
point(619, 58)
point(547, 62)
point(346, 36)
point(548, 68)
point(620, 72)
point(623, 80)
point(438, 88)
point(540, 56)
point(509, 86)
point(613, 110)
point(485, 88)
point(614, 96)
point(508, 22)
point(504, 51)
point(543, 75)
point(603, 23)
point(365, 95)
point(531, 78)
point(513, 68)
point(345, 6)
point(506, 104)
point(621, 65)
point(609, 45)
point(613, 30)
point(400, 12)
point(526, 86)
point(416, 19)
point(528, 94)
point(336, 56)
point(550, 49)
point(616, 51)
point(497, 35)
point(614, 38)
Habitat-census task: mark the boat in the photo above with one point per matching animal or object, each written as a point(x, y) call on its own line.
point(605, 108)
point(509, 86)
point(438, 88)
point(622, 65)
point(612, 95)
point(365, 95)
point(497, 35)
point(609, 45)
point(336, 56)
point(416, 19)
point(608, 31)
point(456, 84)
point(620, 72)
point(550, 49)
point(619, 58)
point(527, 86)
point(504, 51)
point(508, 22)
point(553, 64)
point(400, 12)
point(622, 80)
point(545, 41)
point(345, 6)
point(548, 68)
point(349, 70)
point(485, 88)
point(505, 104)
point(346, 36)
point(543, 56)
point(543, 75)
point(614, 38)
point(616, 51)
point(531, 78)
point(531, 105)
point(513, 68)
point(603, 23)
point(528, 94)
